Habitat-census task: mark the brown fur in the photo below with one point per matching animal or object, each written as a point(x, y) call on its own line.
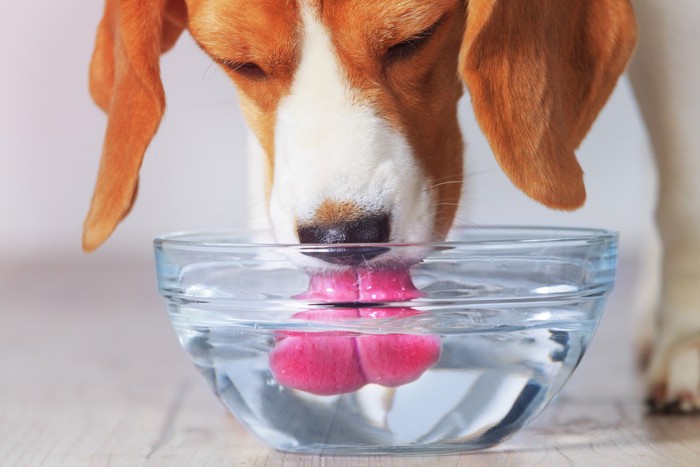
point(334, 212)
point(538, 74)
point(125, 82)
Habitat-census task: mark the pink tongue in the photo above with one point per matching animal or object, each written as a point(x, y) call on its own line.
point(333, 363)
point(391, 285)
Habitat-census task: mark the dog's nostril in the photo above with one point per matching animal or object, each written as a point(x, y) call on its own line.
point(372, 228)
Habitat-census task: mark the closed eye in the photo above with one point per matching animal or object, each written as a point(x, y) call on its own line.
point(410, 46)
point(249, 70)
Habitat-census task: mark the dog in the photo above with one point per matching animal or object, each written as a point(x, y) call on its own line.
point(353, 107)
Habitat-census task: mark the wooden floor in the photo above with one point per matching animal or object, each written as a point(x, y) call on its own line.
point(92, 374)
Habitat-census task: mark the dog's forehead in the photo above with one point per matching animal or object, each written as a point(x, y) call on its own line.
point(237, 18)
point(269, 33)
point(392, 19)
point(237, 24)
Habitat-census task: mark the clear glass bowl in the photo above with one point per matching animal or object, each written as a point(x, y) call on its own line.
point(380, 349)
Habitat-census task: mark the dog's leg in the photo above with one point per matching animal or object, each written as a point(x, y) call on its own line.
point(665, 76)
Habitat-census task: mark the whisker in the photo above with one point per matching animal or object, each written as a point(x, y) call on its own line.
point(448, 178)
point(452, 182)
point(209, 67)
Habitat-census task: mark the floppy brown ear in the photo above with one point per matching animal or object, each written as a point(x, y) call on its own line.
point(125, 82)
point(538, 73)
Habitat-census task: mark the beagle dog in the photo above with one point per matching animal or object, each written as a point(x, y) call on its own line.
point(353, 105)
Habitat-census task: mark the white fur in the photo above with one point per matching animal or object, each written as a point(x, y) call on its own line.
point(665, 76)
point(257, 168)
point(329, 145)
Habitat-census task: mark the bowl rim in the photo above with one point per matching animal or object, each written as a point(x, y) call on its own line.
point(212, 238)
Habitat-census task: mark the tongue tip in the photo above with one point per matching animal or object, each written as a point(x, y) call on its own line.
point(335, 364)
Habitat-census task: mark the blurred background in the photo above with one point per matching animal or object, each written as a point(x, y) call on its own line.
point(194, 173)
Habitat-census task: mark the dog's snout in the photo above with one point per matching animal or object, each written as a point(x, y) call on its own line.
point(369, 228)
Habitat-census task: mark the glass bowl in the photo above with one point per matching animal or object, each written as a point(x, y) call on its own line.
point(387, 348)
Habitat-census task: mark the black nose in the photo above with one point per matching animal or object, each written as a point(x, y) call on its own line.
point(370, 228)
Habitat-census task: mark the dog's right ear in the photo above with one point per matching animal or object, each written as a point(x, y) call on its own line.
point(125, 83)
point(538, 72)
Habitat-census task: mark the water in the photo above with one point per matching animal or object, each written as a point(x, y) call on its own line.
point(493, 376)
point(300, 356)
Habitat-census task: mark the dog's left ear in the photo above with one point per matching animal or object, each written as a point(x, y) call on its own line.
point(125, 83)
point(538, 73)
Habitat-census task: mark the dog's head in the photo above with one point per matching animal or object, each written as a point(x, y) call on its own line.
point(355, 103)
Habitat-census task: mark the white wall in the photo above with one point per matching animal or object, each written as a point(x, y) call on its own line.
point(194, 172)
